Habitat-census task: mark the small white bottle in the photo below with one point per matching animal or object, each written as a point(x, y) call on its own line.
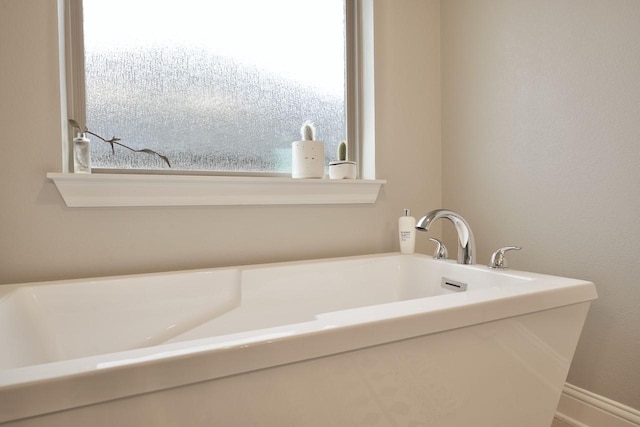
point(81, 154)
point(407, 232)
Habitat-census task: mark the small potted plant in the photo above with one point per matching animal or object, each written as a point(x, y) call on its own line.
point(342, 168)
point(307, 155)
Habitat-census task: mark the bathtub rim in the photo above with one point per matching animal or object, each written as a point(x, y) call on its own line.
point(145, 370)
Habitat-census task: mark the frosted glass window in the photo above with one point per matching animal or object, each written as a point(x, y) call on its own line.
point(214, 85)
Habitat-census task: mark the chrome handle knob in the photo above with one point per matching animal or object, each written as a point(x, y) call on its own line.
point(499, 260)
point(441, 250)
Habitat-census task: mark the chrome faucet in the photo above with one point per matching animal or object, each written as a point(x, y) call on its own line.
point(466, 242)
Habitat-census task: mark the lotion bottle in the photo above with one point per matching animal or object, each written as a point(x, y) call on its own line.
point(407, 232)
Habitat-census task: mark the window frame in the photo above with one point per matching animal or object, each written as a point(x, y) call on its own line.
point(76, 97)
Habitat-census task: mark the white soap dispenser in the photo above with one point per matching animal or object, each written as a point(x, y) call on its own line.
point(407, 232)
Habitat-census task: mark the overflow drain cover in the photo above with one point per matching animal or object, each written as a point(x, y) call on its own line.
point(453, 285)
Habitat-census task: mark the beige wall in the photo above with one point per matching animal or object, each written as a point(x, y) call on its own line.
point(541, 126)
point(541, 148)
point(41, 239)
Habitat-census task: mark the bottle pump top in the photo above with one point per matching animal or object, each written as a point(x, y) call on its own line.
point(407, 212)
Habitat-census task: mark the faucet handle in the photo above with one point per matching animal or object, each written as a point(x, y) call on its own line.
point(441, 250)
point(499, 260)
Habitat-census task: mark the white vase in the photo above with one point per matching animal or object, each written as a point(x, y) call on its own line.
point(307, 159)
point(81, 154)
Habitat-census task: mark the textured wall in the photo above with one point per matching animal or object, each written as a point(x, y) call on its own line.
point(541, 134)
point(540, 122)
point(41, 239)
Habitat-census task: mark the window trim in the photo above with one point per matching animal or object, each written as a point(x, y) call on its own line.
point(219, 188)
point(126, 190)
point(75, 77)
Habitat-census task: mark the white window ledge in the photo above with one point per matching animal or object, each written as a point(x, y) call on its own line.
point(99, 190)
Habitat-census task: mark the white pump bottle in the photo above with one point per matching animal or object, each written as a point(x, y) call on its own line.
point(407, 232)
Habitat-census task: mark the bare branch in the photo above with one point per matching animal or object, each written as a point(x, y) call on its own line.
point(116, 141)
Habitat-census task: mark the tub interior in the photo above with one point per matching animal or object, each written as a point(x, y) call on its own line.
point(281, 295)
point(61, 321)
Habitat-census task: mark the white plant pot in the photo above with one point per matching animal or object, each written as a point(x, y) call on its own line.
point(307, 159)
point(342, 170)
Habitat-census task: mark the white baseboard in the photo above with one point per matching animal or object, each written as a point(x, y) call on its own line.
point(582, 408)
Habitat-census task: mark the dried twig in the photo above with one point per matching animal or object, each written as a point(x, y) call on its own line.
point(116, 141)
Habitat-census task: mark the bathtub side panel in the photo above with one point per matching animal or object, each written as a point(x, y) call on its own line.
point(498, 374)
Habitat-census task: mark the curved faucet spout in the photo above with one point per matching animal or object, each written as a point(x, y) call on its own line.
point(466, 242)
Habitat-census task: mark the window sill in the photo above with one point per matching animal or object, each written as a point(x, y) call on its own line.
point(101, 190)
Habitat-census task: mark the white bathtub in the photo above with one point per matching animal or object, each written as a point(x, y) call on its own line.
point(372, 341)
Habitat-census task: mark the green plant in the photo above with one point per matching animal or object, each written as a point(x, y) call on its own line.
point(308, 131)
point(116, 141)
point(342, 152)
